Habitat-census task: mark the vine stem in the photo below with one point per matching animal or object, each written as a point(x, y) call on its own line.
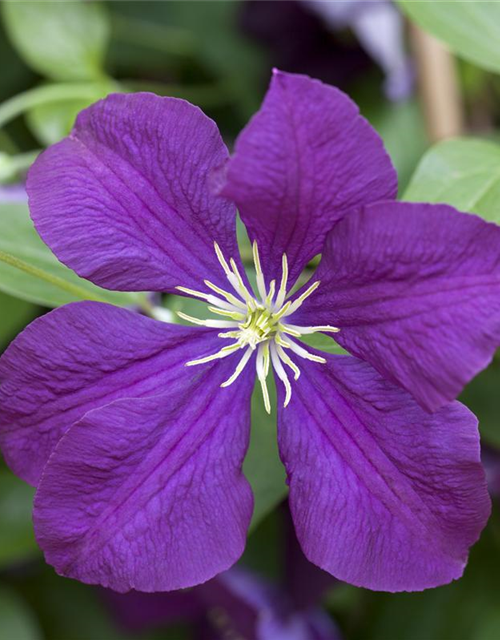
point(17, 105)
point(74, 289)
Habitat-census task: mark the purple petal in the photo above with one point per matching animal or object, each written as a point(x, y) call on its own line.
point(301, 164)
point(415, 290)
point(383, 494)
point(126, 199)
point(79, 357)
point(148, 494)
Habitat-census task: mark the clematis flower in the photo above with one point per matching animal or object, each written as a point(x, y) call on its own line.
point(134, 431)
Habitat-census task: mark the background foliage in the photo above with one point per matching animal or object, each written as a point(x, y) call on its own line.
point(58, 57)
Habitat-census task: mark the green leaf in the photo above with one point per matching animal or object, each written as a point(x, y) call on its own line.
point(323, 342)
point(482, 398)
point(17, 620)
point(17, 541)
point(262, 466)
point(29, 270)
point(14, 316)
point(52, 121)
point(61, 40)
point(471, 28)
point(462, 172)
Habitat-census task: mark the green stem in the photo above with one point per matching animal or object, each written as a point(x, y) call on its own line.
point(17, 105)
point(74, 289)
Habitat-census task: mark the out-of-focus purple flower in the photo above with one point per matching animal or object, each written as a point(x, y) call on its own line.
point(236, 602)
point(300, 41)
point(13, 193)
point(121, 421)
point(491, 464)
point(378, 26)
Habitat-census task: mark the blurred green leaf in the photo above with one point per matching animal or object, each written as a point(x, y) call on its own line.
point(462, 172)
point(402, 129)
point(17, 541)
point(323, 342)
point(50, 122)
point(482, 398)
point(262, 466)
point(471, 28)
point(49, 283)
point(17, 621)
point(457, 611)
point(61, 40)
point(14, 316)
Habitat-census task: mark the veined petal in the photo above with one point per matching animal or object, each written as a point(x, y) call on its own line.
point(383, 495)
point(148, 494)
point(304, 161)
point(126, 199)
point(415, 290)
point(80, 357)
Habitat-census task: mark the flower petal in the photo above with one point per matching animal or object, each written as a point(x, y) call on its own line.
point(303, 162)
point(126, 200)
point(383, 494)
point(79, 357)
point(148, 493)
point(415, 290)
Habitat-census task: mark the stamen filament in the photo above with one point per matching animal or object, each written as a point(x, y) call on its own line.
point(234, 315)
point(281, 373)
point(261, 285)
point(300, 351)
point(209, 298)
point(282, 312)
point(307, 330)
point(262, 371)
point(269, 300)
point(298, 302)
point(228, 296)
point(284, 279)
point(285, 328)
point(288, 361)
point(241, 288)
point(223, 353)
point(222, 260)
point(215, 324)
point(239, 368)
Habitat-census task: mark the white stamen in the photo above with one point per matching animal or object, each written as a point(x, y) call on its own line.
point(208, 298)
point(229, 296)
point(223, 353)
point(298, 302)
point(284, 279)
point(261, 285)
point(288, 361)
point(256, 325)
point(281, 373)
point(239, 368)
point(262, 372)
point(293, 346)
point(302, 331)
point(215, 324)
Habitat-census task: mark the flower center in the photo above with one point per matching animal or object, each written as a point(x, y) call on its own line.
point(256, 324)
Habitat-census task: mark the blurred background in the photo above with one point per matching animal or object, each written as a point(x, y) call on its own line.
point(425, 74)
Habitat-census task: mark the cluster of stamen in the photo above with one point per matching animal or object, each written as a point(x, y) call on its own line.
point(256, 324)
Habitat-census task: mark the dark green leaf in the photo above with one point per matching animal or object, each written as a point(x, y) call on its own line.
point(17, 621)
point(61, 40)
point(471, 28)
point(17, 541)
point(49, 283)
point(464, 173)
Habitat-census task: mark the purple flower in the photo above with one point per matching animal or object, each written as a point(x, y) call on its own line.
point(137, 457)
